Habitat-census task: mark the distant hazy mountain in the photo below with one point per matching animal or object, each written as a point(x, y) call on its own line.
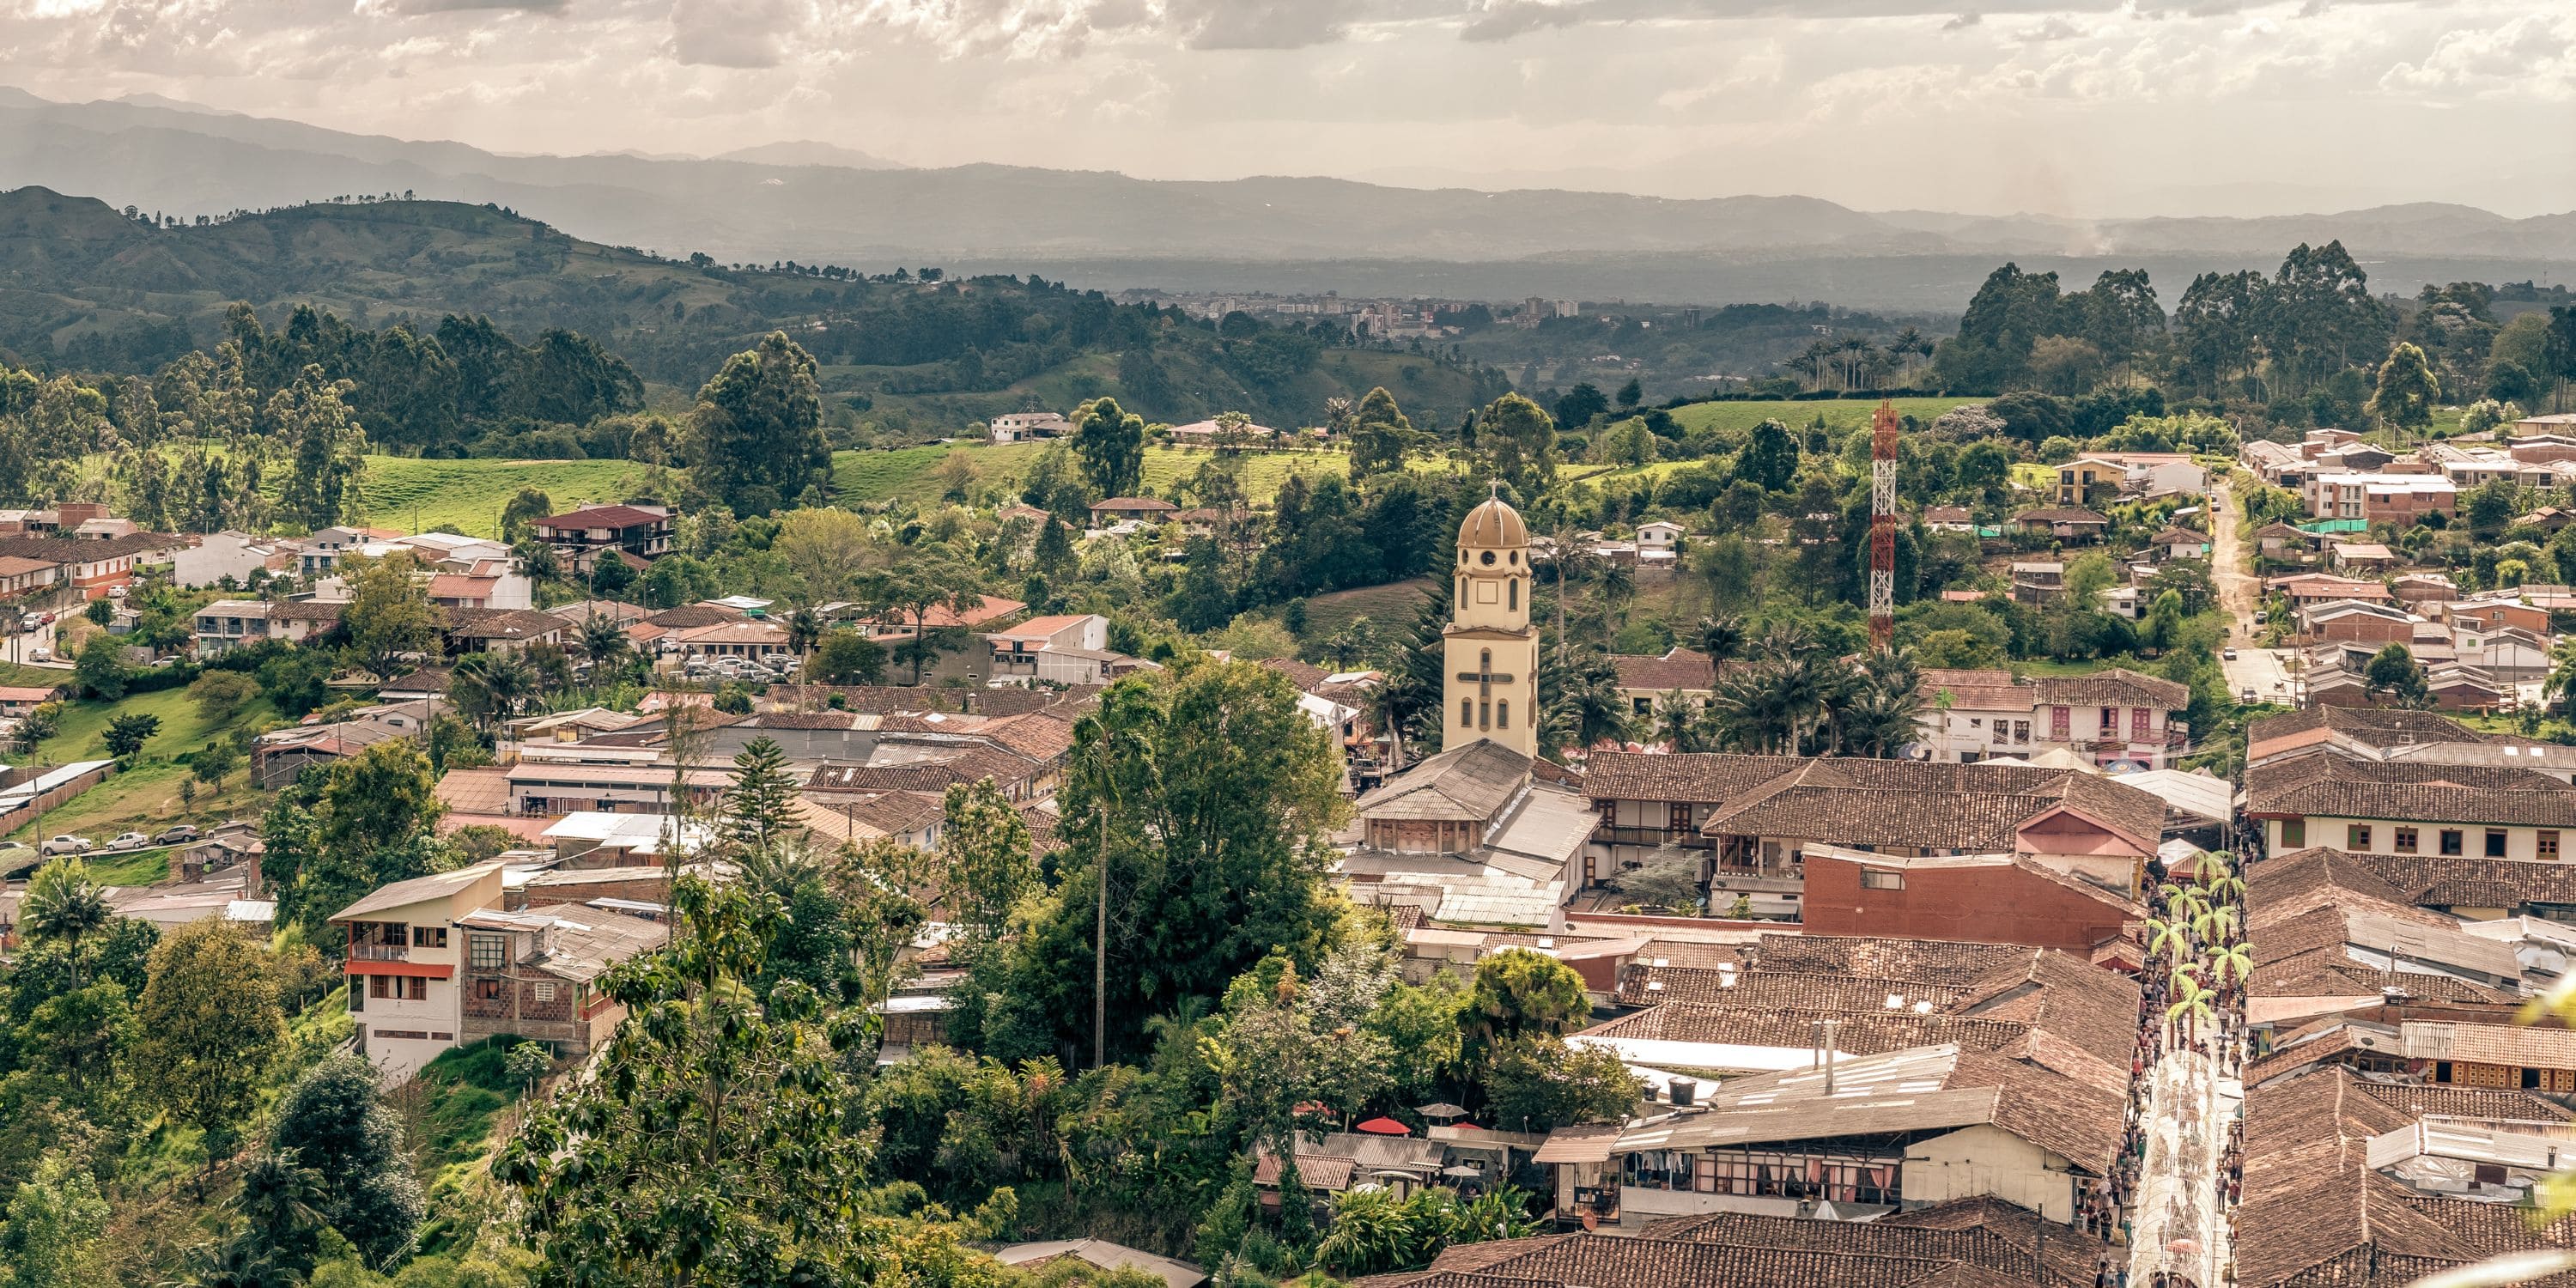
point(826, 203)
point(809, 152)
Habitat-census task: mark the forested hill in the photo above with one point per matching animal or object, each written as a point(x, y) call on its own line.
point(83, 285)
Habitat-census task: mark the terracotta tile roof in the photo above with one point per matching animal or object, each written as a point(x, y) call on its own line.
point(1305, 675)
point(1681, 668)
point(1645, 984)
point(692, 615)
point(1982, 1243)
point(1134, 503)
point(1642, 1262)
point(475, 791)
point(502, 623)
point(734, 633)
point(1978, 690)
point(1971, 808)
point(451, 585)
point(1861, 1032)
point(2379, 727)
point(2063, 994)
point(323, 611)
point(2426, 879)
point(1931, 961)
point(973, 764)
point(2483, 1103)
point(2314, 1214)
point(1470, 783)
point(1040, 736)
point(2059, 514)
point(2114, 686)
point(603, 516)
point(70, 550)
point(2326, 785)
point(1703, 777)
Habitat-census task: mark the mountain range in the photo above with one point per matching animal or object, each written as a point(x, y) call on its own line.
point(821, 202)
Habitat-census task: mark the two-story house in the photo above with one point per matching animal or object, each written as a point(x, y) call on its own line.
point(228, 624)
point(402, 966)
point(581, 537)
point(2408, 808)
point(1019, 650)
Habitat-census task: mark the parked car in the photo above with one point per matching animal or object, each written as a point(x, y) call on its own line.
point(129, 841)
point(40, 653)
point(2227, 654)
point(2247, 697)
point(70, 844)
point(180, 835)
point(2262, 616)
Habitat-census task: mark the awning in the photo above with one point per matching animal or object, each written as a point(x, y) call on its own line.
point(1586, 1144)
point(1384, 1127)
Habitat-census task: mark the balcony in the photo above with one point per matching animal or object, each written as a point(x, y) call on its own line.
point(375, 952)
point(1609, 834)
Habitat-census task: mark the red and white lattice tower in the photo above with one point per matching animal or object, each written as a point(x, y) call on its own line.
point(1882, 526)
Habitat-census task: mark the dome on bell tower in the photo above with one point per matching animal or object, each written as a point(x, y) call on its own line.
point(1493, 525)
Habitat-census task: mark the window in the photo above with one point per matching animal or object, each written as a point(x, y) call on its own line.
point(2451, 842)
point(2294, 833)
point(2110, 724)
point(429, 936)
point(2141, 726)
point(1503, 714)
point(1484, 715)
point(2356, 838)
point(2495, 843)
point(1976, 722)
point(487, 990)
point(1677, 816)
point(2060, 721)
point(2546, 846)
point(1513, 585)
point(2021, 731)
point(541, 992)
point(1875, 879)
point(416, 988)
point(2404, 842)
point(486, 952)
point(1466, 713)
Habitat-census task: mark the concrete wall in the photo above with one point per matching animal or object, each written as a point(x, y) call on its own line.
point(1975, 1161)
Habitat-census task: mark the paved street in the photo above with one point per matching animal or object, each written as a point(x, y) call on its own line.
point(2264, 670)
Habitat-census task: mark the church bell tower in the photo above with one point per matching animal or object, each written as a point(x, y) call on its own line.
point(1490, 679)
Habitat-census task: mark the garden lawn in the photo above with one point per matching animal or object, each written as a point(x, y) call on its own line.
point(418, 495)
point(1737, 417)
point(146, 795)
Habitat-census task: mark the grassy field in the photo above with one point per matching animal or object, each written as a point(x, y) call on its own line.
point(1736, 417)
point(911, 473)
point(1388, 607)
point(148, 795)
point(467, 496)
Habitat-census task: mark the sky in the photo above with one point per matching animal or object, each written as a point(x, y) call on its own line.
point(2086, 109)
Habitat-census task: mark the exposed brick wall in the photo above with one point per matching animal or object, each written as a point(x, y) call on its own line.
point(1998, 905)
point(642, 890)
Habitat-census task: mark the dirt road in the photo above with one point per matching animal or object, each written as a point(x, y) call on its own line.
point(2238, 592)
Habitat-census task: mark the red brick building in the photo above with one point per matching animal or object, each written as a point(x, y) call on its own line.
point(1988, 898)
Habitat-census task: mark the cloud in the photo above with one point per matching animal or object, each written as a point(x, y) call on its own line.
point(412, 8)
point(1962, 22)
point(2050, 32)
point(1504, 19)
point(733, 33)
point(1259, 24)
point(2533, 55)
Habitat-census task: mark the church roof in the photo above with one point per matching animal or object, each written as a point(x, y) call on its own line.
point(1464, 784)
point(1493, 524)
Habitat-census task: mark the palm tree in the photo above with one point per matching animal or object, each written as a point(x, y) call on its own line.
point(232, 1265)
point(2232, 964)
point(2192, 1006)
point(804, 631)
point(1903, 348)
point(1721, 637)
point(603, 643)
point(63, 905)
point(1618, 584)
point(2166, 937)
point(2215, 926)
point(2561, 683)
point(1812, 360)
point(280, 1200)
point(1391, 704)
point(1679, 723)
point(494, 687)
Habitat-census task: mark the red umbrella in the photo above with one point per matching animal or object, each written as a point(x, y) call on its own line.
point(1384, 1127)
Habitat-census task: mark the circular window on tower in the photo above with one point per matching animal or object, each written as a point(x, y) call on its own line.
point(1488, 557)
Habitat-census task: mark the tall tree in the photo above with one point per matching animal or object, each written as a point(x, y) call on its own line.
point(760, 804)
point(210, 1024)
point(720, 1144)
point(389, 614)
point(2407, 391)
point(327, 449)
point(1516, 443)
point(334, 1121)
point(64, 906)
point(1111, 445)
point(985, 857)
point(756, 436)
point(1380, 436)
